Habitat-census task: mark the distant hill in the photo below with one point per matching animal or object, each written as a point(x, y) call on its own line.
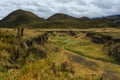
point(18, 18)
point(60, 16)
point(83, 18)
point(114, 18)
point(59, 20)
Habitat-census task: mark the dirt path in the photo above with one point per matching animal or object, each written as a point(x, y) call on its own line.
point(97, 66)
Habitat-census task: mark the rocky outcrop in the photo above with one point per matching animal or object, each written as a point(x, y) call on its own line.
point(72, 33)
point(115, 52)
point(40, 39)
point(111, 44)
point(117, 40)
point(98, 37)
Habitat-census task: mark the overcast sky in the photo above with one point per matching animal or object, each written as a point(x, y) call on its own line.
point(76, 8)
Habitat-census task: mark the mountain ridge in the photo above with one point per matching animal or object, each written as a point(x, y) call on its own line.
point(61, 16)
point(26, 18)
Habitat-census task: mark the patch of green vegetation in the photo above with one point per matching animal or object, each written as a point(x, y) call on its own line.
point(104, 58)
point(83, 47)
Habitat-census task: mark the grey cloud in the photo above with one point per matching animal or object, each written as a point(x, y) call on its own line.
point(104, 4)
point(77, 8)
point(81, 2)
point(63, 1)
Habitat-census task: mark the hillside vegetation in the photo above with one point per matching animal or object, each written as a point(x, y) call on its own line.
point(19, 17)
point(22, 18)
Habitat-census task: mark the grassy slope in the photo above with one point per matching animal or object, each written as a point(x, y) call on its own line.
point(84, 67)
point(91, 58)
point(72, 24)
point(18, 18)
point(83, 46)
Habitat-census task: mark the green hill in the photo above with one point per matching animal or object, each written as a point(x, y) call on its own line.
point(60, 16)
point(18, 18)
point(28, 19)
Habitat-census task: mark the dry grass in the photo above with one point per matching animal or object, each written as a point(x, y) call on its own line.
point(84, 67)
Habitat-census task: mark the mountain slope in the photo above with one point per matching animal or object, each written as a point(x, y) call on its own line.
point(60, 16)
point(57, 21)
point(114, 18)
point(19, 17)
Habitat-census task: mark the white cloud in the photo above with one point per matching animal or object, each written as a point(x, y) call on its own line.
point(77, 8)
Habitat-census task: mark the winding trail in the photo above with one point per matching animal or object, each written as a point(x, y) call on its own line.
point(94, 65)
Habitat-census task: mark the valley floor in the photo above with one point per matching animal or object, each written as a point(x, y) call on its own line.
point(68, 56)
